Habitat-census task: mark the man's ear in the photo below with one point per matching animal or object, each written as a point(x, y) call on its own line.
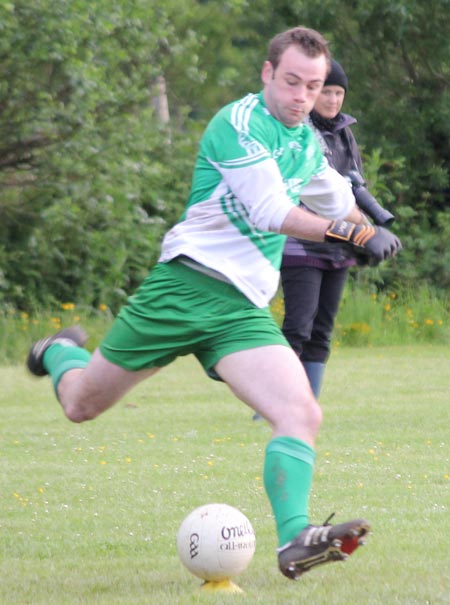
point(266, 72)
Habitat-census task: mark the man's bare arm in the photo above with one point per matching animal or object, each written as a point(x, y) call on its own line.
point(305, 225)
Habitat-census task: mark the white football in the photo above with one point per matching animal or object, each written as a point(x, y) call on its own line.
point(216, 542)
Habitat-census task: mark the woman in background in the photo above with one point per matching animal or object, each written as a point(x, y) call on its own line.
point(314, 274)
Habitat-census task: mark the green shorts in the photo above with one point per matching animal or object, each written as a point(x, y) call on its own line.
point(177, 311)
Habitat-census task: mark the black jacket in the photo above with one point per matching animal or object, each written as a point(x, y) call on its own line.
point(341, 150)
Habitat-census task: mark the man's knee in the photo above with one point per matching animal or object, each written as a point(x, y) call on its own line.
point(78, 414)
point(313, 414)
point(300, 415)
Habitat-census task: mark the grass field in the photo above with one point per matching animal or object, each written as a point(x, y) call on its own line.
point(89, 513)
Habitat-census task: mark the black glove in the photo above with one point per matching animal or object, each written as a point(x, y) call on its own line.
point(371, 244)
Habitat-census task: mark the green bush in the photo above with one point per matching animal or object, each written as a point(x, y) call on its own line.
point(86, 164)
point(91, 176)
point(371, 317)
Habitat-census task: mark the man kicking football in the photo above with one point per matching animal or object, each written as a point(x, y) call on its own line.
point(218, 270)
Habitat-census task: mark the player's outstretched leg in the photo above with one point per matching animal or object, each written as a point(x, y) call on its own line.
point(72, 337)
point(319, 544)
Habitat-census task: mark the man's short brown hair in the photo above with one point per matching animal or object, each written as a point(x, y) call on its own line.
point(309, 41)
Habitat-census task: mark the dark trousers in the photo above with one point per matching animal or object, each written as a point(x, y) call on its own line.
point(311, 300)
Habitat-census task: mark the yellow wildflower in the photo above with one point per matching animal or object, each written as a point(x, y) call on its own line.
point(67, 306)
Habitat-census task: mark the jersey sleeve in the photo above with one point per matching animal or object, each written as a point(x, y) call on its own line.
point(240, 148)
point(328, 193)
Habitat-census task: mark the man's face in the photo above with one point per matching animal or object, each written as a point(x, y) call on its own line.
point(291, 90)
point(329, 101)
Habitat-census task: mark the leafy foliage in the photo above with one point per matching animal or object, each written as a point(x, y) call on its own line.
point(87, 169)
point(397, 57)
point(91, 177)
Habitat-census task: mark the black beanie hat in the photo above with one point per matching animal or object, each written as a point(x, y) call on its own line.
point(337, 76)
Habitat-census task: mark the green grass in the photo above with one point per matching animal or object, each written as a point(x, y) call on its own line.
point(386, 318)
point(89, 513)
point(392, 318)
point(364, 319)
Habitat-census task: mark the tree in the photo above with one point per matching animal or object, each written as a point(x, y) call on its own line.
point(91, 176)
point(397, 57)
point(86, 168)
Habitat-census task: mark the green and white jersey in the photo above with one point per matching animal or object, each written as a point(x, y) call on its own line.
point(250, 171)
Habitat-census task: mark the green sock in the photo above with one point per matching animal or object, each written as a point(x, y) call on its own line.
point(59, 359)
point(288, 472)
